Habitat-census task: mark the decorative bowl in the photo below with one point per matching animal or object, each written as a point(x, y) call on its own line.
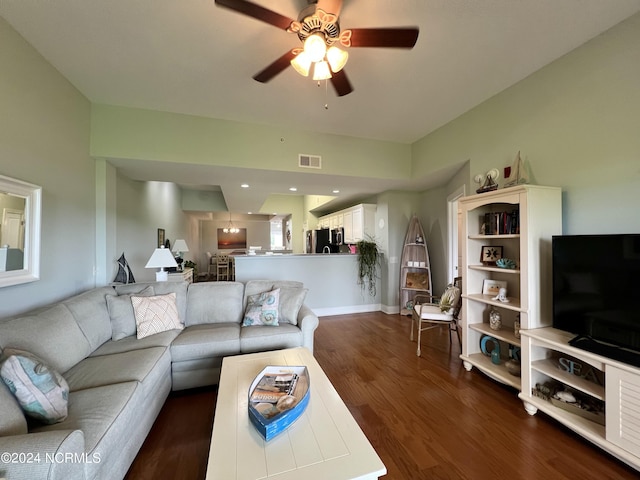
point(506, 263)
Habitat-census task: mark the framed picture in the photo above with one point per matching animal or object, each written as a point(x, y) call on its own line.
point(490, 254)
point(418, 280)
point(160, 237)
point(492, 287)
point(232, 241)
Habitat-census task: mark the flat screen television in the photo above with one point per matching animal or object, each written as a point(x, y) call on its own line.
point(596, 293)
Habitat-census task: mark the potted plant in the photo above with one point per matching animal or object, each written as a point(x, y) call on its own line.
point(368, 263)
point(190, 264)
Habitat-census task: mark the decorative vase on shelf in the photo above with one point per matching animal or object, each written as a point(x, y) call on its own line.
point(495, 356)
point(513, 367)
point(495, 319)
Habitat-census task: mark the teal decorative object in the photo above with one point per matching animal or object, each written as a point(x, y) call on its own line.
point(506, 263)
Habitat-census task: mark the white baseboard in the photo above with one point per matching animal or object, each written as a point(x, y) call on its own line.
point(327, 312)
point(391, 309)
point(372, 307)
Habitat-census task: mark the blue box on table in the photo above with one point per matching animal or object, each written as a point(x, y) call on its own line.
point(277, 398)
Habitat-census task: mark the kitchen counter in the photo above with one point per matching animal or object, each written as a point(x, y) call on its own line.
point(330, 277)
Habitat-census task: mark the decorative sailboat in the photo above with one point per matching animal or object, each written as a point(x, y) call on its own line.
point(518, 174)
point(124, 275)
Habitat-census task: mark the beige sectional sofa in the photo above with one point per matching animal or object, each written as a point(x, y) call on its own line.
point(118, 383)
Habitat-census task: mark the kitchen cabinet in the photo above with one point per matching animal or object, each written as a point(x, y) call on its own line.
point(358, 222)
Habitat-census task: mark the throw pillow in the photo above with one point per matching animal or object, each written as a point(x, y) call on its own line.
point(123, 320)
point(262, 309)
point(449, 299)
point(156, 314)
point(41, 391)
point(291, 300)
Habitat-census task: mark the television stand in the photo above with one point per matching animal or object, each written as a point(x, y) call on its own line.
point(542, 350)
point(605, 349)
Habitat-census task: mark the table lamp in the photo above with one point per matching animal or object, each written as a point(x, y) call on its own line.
point(161, 258)
point(180, 247)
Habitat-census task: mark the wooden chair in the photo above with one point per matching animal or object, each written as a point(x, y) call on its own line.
point(222, 269)
point(211, 264)
point(431, 314)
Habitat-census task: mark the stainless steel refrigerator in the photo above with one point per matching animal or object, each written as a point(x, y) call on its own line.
point(317, 240)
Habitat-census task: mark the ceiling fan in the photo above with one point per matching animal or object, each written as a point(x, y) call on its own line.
point(318, 29)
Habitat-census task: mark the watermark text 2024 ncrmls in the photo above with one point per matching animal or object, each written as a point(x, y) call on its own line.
point(70, 457)
point(58, 457)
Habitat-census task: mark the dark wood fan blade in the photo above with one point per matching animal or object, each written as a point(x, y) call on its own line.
point(275, 68)
point(330, 6)
point(384, 37)
point(341, 83)
point(257, 12)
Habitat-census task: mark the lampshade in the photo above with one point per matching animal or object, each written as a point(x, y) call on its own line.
point(337, 58)
point(321, 71)
point(161, 258)
point(180, 246)
point(315, 46)
point(301, 64)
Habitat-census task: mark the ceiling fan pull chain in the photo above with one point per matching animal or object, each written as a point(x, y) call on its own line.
point(326, 94)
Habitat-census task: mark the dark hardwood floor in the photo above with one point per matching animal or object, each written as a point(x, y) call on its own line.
point(427, 417)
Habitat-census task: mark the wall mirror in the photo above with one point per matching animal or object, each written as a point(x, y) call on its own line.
point(20, 204)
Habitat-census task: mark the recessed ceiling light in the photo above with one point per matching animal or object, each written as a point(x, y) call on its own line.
point(336, 191)
point(250, 213)
point(293, 189)
point(245, 185)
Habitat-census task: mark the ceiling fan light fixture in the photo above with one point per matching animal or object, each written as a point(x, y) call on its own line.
point(321, 71)
point(337, 58)
point(316, 47)
point(301, 63)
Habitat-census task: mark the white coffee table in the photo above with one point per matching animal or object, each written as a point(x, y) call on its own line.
point(324, 443)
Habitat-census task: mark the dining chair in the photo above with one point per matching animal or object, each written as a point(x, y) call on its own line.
point(222, 269)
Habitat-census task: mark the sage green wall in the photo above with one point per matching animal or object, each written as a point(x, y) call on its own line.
point(119, 132)
point(398, 207)
point(142, 208)
point(575, 122)
point(44, 139)
point(203, 201)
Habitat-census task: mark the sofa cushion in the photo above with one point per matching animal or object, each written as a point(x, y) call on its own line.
point(263, 338)
point(123, 320)
point(52, 334)
point(262, 309)
point(156, 314)
point(12, 419)
point(215, 302)
point(206, 340)
point(40, 390)
point(131, 343)
point(94, 411)
point(90, 312)
point(136, 365)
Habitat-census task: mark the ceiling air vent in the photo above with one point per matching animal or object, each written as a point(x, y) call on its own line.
point(309, 161)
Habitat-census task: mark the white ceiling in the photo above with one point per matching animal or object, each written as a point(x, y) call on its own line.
point(192, 57)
